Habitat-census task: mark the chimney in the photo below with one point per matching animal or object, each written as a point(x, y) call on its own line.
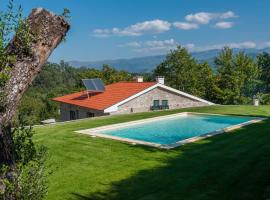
point(160, 79)
point(139, 79)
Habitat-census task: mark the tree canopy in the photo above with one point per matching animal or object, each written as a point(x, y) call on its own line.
point(184, 73)
point(236, 78)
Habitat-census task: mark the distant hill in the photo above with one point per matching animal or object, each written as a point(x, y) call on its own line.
point(148, 63)
point(141, 64)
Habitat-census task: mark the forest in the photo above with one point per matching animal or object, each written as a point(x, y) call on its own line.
point(237, 80)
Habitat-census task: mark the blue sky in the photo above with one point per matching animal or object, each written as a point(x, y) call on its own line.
point(111, 29)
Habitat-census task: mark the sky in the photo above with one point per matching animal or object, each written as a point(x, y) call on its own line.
point(112, 29)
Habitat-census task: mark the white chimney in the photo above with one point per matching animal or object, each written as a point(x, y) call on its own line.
point(139, 79)
point(160, 79)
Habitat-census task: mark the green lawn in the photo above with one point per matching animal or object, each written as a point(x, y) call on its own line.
point(228, 166)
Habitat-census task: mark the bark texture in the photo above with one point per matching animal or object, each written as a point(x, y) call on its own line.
point(48, 30)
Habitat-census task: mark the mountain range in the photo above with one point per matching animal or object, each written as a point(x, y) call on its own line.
point(148, 63)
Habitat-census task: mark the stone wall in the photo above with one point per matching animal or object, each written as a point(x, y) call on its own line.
point(139, 104)
point(143, 102)
point(79, 111)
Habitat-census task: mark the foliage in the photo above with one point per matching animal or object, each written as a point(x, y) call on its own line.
point(237, 77)
point(265, 99)
point(66, 14)
point(264, 64)
point(235, 82)
point(28, 180)
point(54, 80)
point(184, 73)
point(57, 80)
point(111, 75)
point(9, 21)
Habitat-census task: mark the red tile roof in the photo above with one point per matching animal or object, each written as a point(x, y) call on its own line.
point(113, 94)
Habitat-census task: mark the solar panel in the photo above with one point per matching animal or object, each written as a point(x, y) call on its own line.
point(88, 83)
point(99, 84)
point(93, 84)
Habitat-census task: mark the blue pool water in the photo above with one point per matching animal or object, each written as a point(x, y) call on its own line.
point(168, 131)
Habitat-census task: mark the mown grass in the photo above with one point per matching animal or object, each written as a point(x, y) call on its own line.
point(228, 166)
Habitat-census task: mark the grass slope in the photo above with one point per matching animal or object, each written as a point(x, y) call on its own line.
point(228, 166)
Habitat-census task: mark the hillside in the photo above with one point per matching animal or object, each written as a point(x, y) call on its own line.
point(148, 63)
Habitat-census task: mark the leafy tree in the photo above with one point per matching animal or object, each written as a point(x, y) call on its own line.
point(264, 99)
point(184, 73)
point(264, 64)
point(111, 75)
point(108, 74)
point(237, 77)
point(248, 73)
point(206, 81)
point(85, 73)
point(225, 76)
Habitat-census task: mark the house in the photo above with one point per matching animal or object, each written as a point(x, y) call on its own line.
point(126, 97)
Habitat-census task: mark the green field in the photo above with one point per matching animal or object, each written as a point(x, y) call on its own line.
point(235, 165)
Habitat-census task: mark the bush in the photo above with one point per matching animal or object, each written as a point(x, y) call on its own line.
point(27, 179)
point(265, 99)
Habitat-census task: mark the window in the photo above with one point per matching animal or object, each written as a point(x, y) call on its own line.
point(72, 115)
point(164, 102)
point(90, 114)
point(156, 103)
point(77, 114)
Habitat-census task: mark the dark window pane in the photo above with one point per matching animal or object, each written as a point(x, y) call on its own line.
point(156, 102)
point(72, 115)
point(90, 114)
point(164, 102)
point(77, 114)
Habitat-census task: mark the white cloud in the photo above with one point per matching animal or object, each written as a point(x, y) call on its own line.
point(185, 25)
point(146, 27)
point(160, 46)
point(131, 44)
point(189, 46)
point(156, 26)
point(163, 46)
point(236, 45)
point(242, 45)
point(264, 45)
point(101, 32)
point(160, 43)
point(224, 25)
point(206, 17)
point(227, 15)
point(201, 17)
point(267, 44)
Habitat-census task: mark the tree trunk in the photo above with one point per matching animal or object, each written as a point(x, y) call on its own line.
point(48, 30)
point(6, 145)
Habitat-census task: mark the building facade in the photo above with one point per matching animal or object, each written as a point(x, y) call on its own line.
point(125, 98)
point(157, 97)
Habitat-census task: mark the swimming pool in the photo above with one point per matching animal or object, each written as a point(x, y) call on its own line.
point(173, 130)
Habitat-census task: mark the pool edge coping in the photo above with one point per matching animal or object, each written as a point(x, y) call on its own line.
point(92, 131)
